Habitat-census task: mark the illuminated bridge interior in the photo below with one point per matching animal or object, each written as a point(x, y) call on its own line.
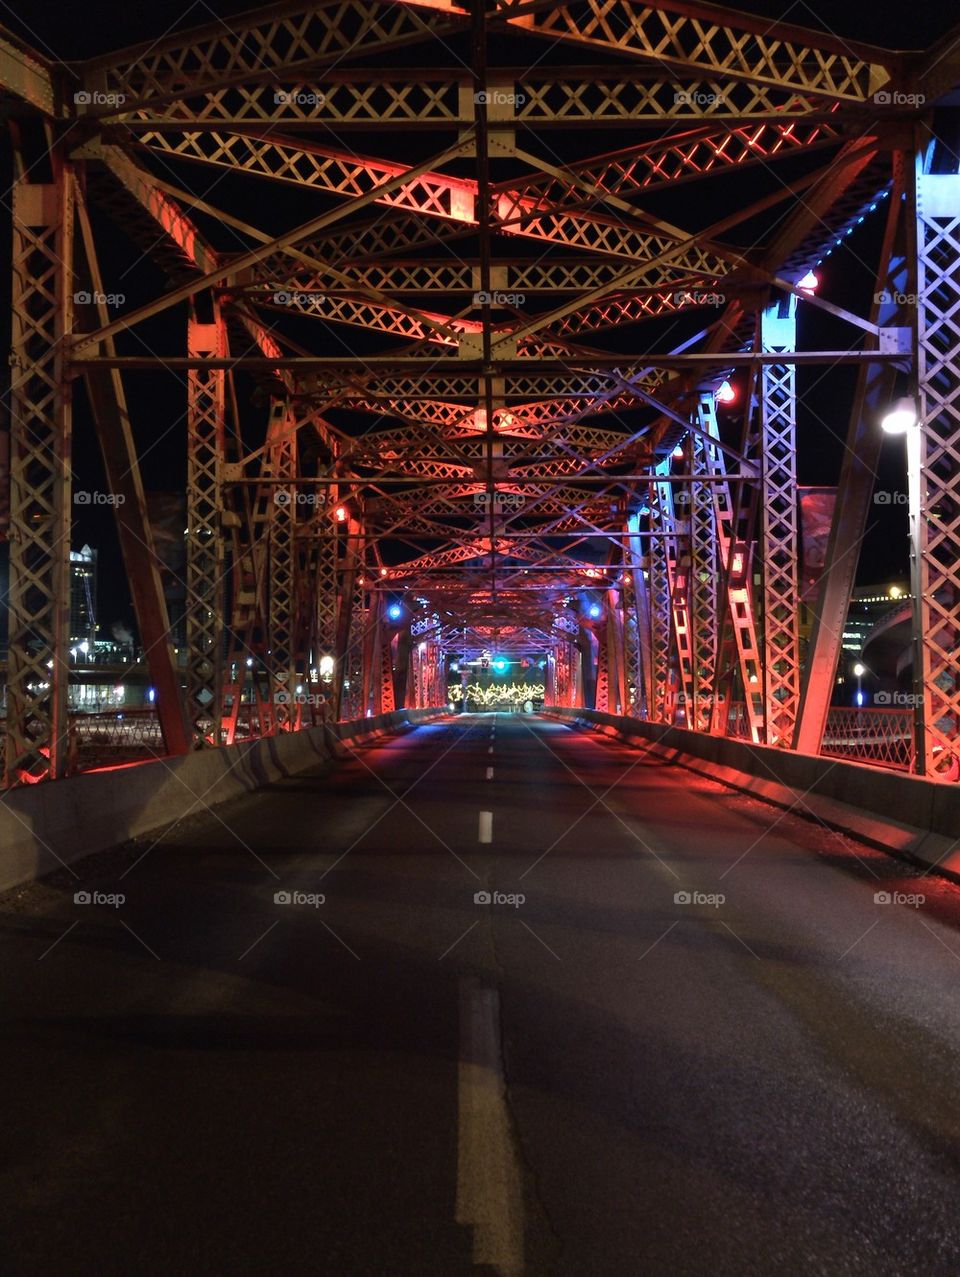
point(480, 495)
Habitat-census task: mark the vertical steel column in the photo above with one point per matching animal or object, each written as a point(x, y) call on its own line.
point(643, 697)
point(781, 594)
point(281, 577)
point(415, 688)
point(324, 585)
point(348, 675)
point(373, 640)
point(354, 660)
point(703, 586)
point(561, 672)
point(602, 698)
point(550, 680)
point(205, 604)
point(675, 517)
point(387, 702)
point(660, 706)
point(858, 474)
point(734, 566)
point(40, 487)
point(935, 468)
point(616, 669)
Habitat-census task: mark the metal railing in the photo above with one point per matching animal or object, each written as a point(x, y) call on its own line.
point(107, 737)
point(114, 736)
point(881, 737)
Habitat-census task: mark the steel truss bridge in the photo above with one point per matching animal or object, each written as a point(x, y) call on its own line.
point(454, 369)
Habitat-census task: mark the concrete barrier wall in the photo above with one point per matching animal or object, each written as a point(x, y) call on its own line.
point(44, 826)
point(903, 814)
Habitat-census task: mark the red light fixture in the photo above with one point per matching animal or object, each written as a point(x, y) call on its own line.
point(725, 393)
point(340, 514)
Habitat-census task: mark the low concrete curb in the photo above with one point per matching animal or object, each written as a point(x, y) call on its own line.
point(45, 826)
point(904, 815)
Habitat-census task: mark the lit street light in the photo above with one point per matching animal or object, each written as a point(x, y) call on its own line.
point(902, 418)
point(899, 417)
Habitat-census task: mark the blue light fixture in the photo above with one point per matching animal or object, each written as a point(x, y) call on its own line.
point(500, 664)
point(394, 611)
point(595, 611)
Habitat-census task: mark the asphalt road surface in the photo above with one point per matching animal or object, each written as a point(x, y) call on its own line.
point(489, 997)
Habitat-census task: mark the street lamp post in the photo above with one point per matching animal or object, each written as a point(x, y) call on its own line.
point(901, 419)
point(859, 670)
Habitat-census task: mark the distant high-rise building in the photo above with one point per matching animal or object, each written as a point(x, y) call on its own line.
point(870, 605)
point(83, 596)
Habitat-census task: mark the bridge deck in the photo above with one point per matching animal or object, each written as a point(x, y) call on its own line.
point(598, 1078)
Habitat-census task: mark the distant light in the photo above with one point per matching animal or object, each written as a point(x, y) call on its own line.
point(725, 393)
point(500, 664)
point(678, 452)
point(249, 662)
point(394, 611)
point(900, 417)
point(810, 282)
point(896, 591)
point(340, 514)
point(383, 571)
point(151, 694)
point(859, 669)
point(595, 610)
point(859, 698)
point(326, 668)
